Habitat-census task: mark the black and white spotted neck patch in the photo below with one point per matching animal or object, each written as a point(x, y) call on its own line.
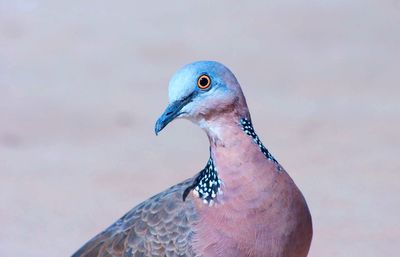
point(207, 185)
point(249, 130)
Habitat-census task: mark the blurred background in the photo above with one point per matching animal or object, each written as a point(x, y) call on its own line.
point(82, 83)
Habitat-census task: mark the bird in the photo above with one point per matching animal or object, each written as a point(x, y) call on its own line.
point(242, 203)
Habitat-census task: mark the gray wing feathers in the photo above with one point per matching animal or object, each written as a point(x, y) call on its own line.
point(160, 226)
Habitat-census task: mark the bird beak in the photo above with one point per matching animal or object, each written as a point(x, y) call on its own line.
point(169, 115)
point(172, 111)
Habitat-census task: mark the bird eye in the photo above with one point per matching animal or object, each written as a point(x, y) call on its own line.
point(204, 82)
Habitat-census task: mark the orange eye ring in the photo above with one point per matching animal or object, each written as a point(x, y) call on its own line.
point(203, 82)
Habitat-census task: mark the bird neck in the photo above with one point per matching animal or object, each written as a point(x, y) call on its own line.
point(241, 159)
point(225, 129)
point(235, 152)
point(231, 141)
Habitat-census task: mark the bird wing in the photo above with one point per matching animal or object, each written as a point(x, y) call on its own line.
point(159, 226)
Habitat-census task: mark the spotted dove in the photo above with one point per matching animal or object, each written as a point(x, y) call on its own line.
point(243, 203)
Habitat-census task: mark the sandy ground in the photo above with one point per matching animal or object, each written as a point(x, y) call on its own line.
point(82, 83)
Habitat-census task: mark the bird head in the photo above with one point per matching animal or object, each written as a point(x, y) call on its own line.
point(201, 92)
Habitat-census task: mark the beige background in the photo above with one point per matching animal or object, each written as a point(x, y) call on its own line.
point(82, 83)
